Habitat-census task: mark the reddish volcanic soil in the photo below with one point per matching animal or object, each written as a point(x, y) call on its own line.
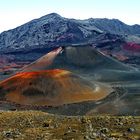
point(50, 88)
point(132, 47)
point(120, 57)
point(10, 66)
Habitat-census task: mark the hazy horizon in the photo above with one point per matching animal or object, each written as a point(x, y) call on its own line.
point(15, 13)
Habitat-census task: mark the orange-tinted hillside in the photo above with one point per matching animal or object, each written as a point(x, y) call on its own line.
point(43, 62)
point(50, 87)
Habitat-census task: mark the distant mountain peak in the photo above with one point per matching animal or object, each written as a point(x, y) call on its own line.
point(52, 15)
point(54, 30)
point(49, 18)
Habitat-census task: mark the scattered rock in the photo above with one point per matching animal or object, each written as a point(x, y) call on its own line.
point(46, 124)
point(65, 134)
point(11, 134)
point(120, 123)
point(7, 134)
point(131, 130)
point(83, 120)
point(104, 130)
point(73, 130)
point(44, 127)
point(94, 134)
point(87, 137)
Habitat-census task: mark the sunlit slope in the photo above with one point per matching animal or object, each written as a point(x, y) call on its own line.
point(43, 62)
point(51, 87)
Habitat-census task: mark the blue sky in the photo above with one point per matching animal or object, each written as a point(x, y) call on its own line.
point(16, 12)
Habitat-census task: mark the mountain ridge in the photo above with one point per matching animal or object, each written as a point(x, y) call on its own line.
point(52, 30)
point(39, 36)
point(58, 15)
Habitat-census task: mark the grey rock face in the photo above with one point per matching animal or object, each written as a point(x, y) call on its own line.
point(53, 30)
point(115, 26)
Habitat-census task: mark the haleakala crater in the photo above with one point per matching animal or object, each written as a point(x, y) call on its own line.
point(69, 78)
point(73, 80)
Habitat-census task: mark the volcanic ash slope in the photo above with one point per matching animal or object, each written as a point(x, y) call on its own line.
point(50, 88)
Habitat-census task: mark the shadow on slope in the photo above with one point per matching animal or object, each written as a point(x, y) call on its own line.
point(86, 62)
